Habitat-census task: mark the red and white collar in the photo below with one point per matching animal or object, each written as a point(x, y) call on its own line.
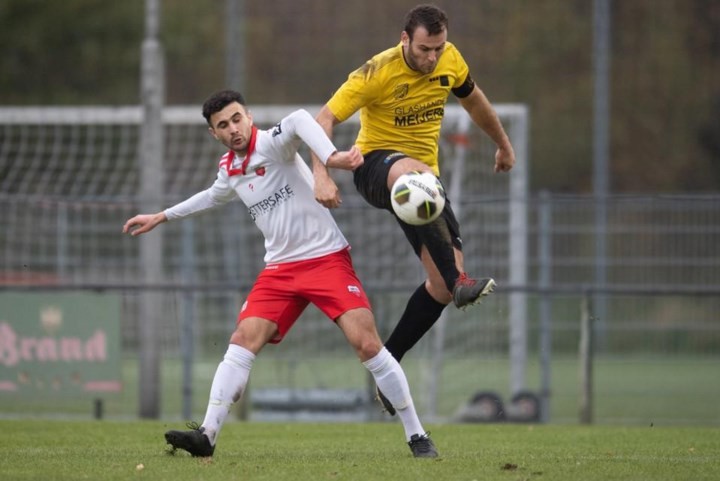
point(231, 156)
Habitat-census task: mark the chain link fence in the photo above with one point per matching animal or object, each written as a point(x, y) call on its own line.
point(66, 193)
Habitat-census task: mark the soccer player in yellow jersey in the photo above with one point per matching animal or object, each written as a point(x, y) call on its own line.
point(401, 95)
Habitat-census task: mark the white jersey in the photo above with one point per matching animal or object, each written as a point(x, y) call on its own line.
point(277, 187)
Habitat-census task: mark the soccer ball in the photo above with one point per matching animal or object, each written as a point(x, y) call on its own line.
point(417, 198)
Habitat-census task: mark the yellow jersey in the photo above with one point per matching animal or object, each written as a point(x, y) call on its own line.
point(400, 108)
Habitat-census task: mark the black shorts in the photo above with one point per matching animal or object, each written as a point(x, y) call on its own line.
point(371, 182)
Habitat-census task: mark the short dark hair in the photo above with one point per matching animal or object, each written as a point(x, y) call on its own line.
point(218, 101)
point(429, 16)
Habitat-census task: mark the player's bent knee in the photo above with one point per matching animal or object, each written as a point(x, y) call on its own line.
point(368, 347)
point(403, 166)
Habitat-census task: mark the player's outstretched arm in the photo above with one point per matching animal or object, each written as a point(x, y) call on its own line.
point(143, 223)
point(484, 116)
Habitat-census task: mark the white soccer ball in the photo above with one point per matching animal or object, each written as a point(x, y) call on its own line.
point(417, 198)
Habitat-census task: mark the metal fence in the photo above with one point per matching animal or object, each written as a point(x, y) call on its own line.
point(661, 330)
point(657, 342)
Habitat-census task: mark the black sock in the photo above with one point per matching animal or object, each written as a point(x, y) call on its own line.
point(435, 236)
point(420, 314)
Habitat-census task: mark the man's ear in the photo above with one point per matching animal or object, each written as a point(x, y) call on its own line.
point(212, 132)
point(404, 38)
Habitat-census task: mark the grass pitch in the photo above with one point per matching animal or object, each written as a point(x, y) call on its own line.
point(65, 450)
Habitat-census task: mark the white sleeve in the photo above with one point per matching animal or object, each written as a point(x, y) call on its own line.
point(217, 194)
point(303, 125)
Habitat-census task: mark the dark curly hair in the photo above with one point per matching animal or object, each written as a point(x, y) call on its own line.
point(218, 101)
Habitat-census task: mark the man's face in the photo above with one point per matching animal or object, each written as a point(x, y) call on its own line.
point(232, 126)
point(422, 53)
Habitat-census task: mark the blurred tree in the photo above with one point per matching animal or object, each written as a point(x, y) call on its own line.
point(709, 137)
point(662, 88)
point(193, 38)
point(70, 52)
point(665, 69)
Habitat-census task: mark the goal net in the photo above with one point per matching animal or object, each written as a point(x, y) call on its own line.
point(70, 177)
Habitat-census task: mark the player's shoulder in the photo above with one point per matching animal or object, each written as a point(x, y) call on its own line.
point(449, 46)
point(388, 56)
point(452, 61)
point(387, 59)
point(226, 160)
point(452, 51)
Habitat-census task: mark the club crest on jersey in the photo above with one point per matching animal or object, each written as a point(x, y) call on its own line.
point(354, 290)
point(260, 171)
point(277, 130)
point(401, 91)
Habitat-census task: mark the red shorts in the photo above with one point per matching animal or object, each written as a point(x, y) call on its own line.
point(282, 291)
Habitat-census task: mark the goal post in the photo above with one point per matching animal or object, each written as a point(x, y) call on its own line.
point(461, 135)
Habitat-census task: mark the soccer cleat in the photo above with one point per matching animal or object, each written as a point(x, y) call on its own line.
point(387, 406)
point(194, 441)
point(422, 446)
point(469, 291)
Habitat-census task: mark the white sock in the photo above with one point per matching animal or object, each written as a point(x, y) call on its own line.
point(228, 386)
point(390, 379)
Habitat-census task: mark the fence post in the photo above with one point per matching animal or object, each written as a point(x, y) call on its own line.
point(152, 182)
point(545, 307)
point(586, 360)
point(187, 338)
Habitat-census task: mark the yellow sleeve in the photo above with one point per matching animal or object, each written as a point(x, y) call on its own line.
point(462, 68)
point(351, 96)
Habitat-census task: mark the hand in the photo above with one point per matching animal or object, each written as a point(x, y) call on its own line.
point(143, 223)
point(327, 192)
point(347, 160)
point(504, 159)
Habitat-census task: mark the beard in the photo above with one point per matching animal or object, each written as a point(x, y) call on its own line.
point(414, 64)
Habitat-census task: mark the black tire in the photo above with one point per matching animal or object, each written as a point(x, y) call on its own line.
point(525, 407)
point(487, 407)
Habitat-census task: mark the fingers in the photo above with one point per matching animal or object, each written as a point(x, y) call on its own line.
point(135, 226)
point(128, 225)
point(330, 203)
point(356, 156)
point(500, 167)
point(346, 160)
point(504, 161)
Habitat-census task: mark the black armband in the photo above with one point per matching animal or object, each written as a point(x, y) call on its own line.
point(465, 89)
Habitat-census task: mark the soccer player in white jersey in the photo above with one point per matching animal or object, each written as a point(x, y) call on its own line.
point(307, 260)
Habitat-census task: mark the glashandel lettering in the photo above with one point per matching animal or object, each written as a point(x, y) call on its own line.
point(269, 203)
point(414, 109)
point(419, 118)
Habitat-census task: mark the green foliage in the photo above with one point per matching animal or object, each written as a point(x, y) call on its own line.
point(664, 69)
point(61, 450)
point(70, 52)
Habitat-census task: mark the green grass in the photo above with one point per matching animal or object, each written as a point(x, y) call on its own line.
point(65, 450)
